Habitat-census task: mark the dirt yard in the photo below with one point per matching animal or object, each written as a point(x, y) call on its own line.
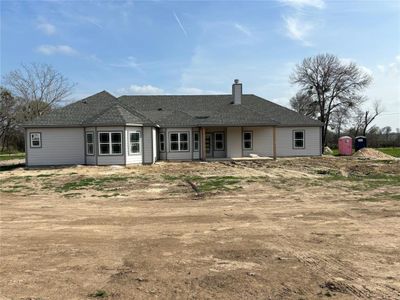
point(305, 228)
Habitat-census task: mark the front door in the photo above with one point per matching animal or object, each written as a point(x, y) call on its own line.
point(209, 150)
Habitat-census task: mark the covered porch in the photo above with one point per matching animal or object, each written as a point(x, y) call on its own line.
point(237, 143)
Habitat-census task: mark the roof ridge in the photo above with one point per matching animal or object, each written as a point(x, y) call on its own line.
point(181, 95)
point(92, 118)
point(135, 112)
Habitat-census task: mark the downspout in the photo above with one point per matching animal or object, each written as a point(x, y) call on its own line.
point(274, 141)
point(152, 146)
point(125, 146)
point(241, 140)
point(96, 150)
point(84, 144)
point(26, 147)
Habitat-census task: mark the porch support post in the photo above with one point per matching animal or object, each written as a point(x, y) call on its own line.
point(202, 143)
point(274, 141)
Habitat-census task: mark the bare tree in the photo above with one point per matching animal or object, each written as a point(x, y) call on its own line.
point(332, 84)
point(369, 116)
point(304, 104)
point(339, 119)
point(363, 119)
point(39, 86)
point(358, 122)
point(8, 116)
point(386, 132)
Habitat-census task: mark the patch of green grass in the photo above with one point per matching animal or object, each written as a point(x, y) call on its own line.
point(214, 183)
point(393, 151)
point(98, 294)
point(170, 177)
point(371, 181)
point(395, 197)
point(10, 190)
point(381, 197)
point(97, 183)
point(10, 156)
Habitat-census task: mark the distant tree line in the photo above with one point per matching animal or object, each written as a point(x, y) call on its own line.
point(26, 93)
point(331, 91)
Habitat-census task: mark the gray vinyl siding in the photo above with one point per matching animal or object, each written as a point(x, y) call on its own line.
point(133, 158)
point(147, 145)
point(179, 155)
point(60, 146)
point(284, 141)
point(234, 142)
point(115, 159)
point(262, 141)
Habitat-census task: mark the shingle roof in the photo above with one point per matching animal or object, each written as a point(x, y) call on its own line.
point(169, 111)
point(99, 109)
point(208, 110)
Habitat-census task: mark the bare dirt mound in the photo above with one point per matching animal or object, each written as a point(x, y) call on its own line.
point(372, 153)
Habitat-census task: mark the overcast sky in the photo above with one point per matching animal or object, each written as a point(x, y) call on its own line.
point(192, 47)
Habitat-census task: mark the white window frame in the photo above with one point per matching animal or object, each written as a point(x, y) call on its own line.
point(139, 143)
point(302, 139)
point(110, 143)
point(196, 141)
point(87, 143)
point(247, 140)
point(179, 133)
point(223, 141)
point(162, 149)
point(35, 136)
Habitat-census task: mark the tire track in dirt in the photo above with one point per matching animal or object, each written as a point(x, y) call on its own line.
point(340, 277)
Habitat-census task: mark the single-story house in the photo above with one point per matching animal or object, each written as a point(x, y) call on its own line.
point(106, 130)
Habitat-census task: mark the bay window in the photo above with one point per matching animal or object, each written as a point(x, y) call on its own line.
point(89, 143)
point(179, 141)
point(110, 143)
point(134, 142)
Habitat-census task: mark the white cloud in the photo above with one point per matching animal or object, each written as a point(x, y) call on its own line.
point(298, 30)
point(46, 27)
point(243, 29)
point(130, 62)
point(141, 90)
point(56, 49)
point(392, 68)
point(304, 3)
point(366, 70)
point(381, 68)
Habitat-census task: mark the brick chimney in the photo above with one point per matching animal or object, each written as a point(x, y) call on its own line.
point(237, 92)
